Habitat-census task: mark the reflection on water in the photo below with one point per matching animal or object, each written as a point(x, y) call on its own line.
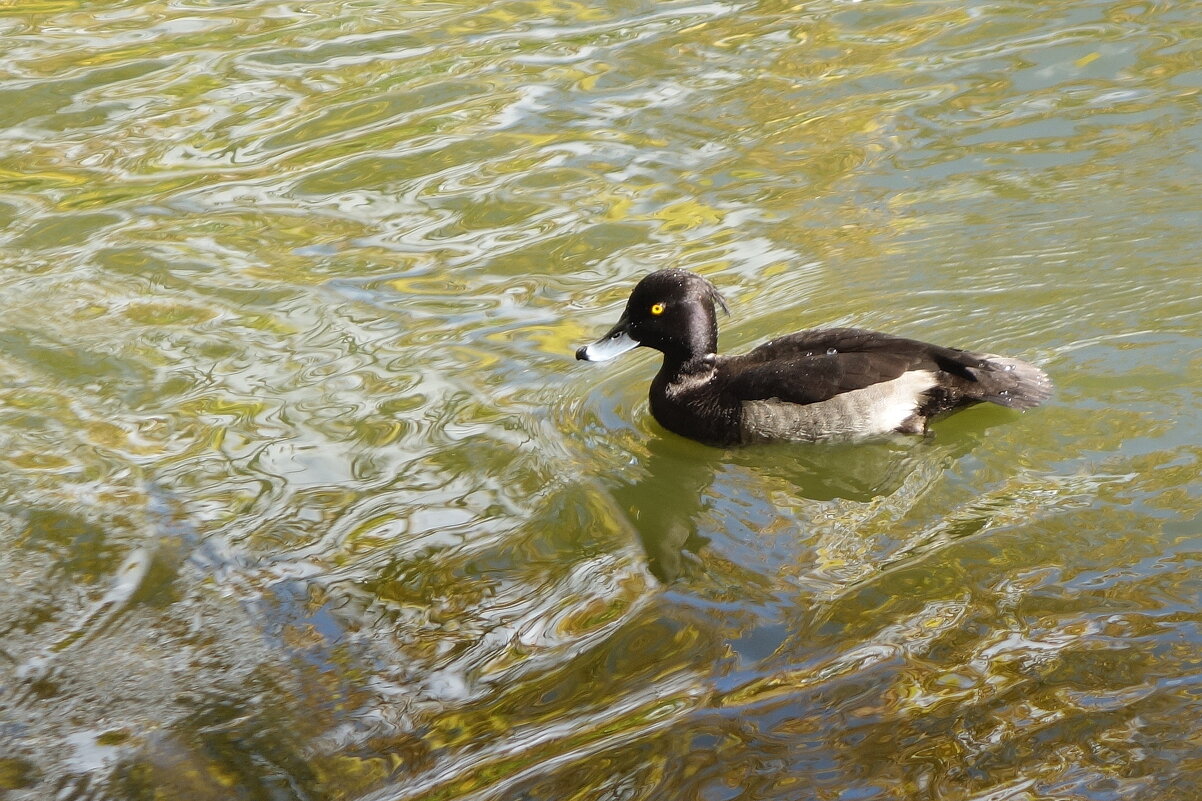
point(302, 494)
point(677, 483)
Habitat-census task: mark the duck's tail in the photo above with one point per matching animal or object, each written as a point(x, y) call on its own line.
point(1010, 382)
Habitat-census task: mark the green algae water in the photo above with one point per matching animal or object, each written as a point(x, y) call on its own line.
point(303, 496)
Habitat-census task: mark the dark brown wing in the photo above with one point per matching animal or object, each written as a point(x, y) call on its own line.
point(813, 366)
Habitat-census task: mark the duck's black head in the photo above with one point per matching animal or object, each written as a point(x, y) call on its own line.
point(671, 311)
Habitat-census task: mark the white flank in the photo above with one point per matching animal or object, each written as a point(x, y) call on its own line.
point(877, 409)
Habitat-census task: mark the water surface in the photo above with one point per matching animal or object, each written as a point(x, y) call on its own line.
point(302, 495)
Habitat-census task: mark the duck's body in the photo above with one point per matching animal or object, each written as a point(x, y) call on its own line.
point(823, 384)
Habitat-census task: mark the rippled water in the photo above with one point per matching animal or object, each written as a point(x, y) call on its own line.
point(303, 496)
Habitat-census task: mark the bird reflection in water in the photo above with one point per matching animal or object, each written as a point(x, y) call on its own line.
point(672, 488)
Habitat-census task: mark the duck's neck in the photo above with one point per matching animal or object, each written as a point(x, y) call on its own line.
point(688, 366)
point(694, 348)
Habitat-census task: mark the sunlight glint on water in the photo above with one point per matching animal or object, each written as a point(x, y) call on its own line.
point(303, 495)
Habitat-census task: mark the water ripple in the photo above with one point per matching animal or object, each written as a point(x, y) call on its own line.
point(301, 491)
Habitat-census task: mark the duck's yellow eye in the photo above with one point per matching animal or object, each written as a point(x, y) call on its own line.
point(657, 309)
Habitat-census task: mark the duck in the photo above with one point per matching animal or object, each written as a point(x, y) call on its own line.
point(810, 386)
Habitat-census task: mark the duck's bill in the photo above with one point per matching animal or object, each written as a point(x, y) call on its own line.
point(615, 343)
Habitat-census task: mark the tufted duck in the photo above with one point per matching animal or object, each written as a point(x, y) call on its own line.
point(834, 383)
